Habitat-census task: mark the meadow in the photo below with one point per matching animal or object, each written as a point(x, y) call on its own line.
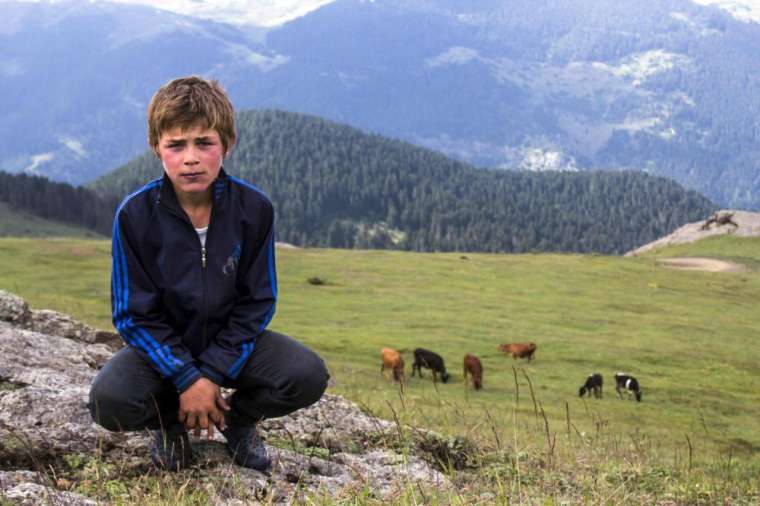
point(691, 338)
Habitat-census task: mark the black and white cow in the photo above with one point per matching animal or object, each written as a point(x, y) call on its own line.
point(430, 360)
point(593, 383)
point(629, 384)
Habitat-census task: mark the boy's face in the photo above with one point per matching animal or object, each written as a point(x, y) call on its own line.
point(192, 158)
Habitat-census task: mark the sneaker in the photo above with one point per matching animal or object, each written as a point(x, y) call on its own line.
point(246, 447)
point(171, 449)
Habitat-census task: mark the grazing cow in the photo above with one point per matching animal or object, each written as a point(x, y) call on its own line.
point(394, 361)
point(593, 383)
point(473, 366)
point(629, 384)
point(519, 350)
point(429, 360)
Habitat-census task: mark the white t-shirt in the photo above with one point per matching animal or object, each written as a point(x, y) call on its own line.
point(202, 235)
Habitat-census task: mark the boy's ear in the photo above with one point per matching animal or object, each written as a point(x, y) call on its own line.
point(229, 148)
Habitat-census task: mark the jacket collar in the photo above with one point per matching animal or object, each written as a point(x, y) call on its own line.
point(168, 197)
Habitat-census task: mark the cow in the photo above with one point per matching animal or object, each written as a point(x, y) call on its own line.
point(518, 350)
point(429, 360)
point(473, 366)
point(629, 384)
point(394, 361)
point(593, 383)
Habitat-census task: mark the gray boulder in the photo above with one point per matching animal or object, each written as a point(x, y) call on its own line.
point(13, 308)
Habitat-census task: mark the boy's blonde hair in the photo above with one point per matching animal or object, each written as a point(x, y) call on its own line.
point(188, 101)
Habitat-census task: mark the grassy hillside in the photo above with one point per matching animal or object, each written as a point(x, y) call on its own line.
point(690, 337)
point(14, 223)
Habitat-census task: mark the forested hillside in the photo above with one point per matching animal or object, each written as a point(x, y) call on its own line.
point(61, 202)
point(337, 186)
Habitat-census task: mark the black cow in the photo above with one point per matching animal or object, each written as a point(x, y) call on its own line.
point(629, 384)
point(429, 360)
point(593, 383)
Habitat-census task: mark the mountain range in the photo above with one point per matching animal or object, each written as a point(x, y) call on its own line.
point(335, 186)
point(669, 87)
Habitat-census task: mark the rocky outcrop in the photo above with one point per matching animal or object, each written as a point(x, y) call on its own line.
point(738, 223)
point(15, 310)
point(330, 448)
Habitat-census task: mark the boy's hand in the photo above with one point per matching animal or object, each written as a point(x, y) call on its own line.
point(202, 407)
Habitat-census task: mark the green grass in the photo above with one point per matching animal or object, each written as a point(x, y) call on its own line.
point(690, 337)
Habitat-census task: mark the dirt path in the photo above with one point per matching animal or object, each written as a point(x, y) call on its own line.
point(702, 264)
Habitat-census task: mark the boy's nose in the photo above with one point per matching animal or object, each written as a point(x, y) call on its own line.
point(191, 156)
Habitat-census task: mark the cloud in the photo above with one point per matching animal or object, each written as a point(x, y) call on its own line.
point(75, 146)
point(456, 55)
point(263, 62)
point(38, 160)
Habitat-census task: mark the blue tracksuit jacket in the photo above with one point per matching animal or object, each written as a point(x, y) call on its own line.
point(193, 311)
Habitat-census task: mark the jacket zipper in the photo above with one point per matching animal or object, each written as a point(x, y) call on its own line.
point(205, 296)
point(203, 277)
point(203, 265)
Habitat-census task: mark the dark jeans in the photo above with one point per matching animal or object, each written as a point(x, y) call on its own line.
point(280, 377)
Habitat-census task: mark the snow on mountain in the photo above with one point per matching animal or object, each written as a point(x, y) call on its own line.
point(744, 10)
point(264, 13)
point(640, 66)
point(37, 160)
point(74, 145)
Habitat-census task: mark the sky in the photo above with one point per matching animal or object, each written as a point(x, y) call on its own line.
point(238, 12)
point(275, 12)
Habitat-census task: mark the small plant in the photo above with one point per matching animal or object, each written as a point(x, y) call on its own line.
point(74, 460)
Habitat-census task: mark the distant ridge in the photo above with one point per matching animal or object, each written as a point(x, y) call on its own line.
point(336, 186)
point(745, 224)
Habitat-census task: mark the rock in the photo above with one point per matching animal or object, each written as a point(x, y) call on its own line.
point(54, 323)
point(110, 339)
point(13, 308)
point(329, 449)
point(33, 494)
point(744, 224)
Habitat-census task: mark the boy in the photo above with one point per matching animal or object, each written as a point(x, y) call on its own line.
point(193, 287)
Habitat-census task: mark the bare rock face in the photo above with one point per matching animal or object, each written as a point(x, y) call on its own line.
point(32, 494)
point(54, 323)
point(328, 449)
point(13, 308)
point(739, 223)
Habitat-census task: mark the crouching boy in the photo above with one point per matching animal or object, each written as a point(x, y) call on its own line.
point(193, 287)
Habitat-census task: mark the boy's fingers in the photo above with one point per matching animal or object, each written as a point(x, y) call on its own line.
point(210, 431)
point(218, 418)
point(190, 421)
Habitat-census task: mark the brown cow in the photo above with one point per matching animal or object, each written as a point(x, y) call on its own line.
point(473, 366)
point(394, 361)
point(519, 350)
